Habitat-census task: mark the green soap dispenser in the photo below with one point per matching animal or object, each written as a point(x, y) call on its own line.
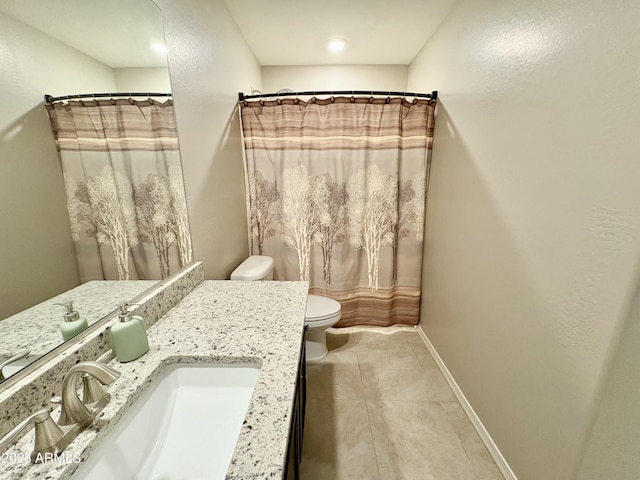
point(72, 323)
point(128, 337)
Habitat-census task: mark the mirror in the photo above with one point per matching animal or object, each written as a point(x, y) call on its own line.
point(59, 47)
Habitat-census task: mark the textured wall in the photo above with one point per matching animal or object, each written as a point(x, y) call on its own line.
point(614, 443)
point(153, 79)
point(36, 250)
point(335, 77)
point(533, 214)
point(210, 63)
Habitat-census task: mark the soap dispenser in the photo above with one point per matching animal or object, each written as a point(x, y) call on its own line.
point(72, 323)
point(129, 337)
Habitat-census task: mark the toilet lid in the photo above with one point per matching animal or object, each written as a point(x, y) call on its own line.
point(321, 308)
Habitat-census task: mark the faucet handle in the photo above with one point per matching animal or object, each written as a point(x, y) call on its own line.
point(18, 356)
point(92, 391)
point(105, 357)
point(48, 433)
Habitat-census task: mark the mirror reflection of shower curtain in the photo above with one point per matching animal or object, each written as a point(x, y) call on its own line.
point(124, 186)
point(337, 192)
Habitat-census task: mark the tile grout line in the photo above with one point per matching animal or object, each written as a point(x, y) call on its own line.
point(446, 414)
point(366, 406)
point(493, 449)
point(415, 350)
point(464, 450)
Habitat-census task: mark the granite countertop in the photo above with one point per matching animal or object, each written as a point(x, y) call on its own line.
point(219, 322)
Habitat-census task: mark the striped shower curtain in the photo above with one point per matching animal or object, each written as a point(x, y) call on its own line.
point(336, 193)
point(124, 186)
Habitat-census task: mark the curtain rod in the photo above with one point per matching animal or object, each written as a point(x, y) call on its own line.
point(433, 95)
point(50, 99)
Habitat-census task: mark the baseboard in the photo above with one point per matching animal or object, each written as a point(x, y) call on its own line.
point(501, 462)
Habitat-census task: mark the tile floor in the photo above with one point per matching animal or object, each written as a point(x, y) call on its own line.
point(378, 408)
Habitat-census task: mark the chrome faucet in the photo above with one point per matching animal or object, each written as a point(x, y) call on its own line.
point(75, 415)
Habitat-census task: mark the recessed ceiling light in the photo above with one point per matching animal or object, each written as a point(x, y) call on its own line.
point(336, 44)
point(158, 47)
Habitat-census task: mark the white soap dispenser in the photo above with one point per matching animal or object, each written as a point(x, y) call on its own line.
point(129, 339)
point(72, 323)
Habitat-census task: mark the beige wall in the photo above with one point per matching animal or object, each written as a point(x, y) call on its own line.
point(147, 79)
point(36, 250)
point(614, 443)
point(533, 217)
point(334, 77)
point(210, 63)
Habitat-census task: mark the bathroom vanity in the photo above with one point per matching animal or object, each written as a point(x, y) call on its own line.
point(219, 322)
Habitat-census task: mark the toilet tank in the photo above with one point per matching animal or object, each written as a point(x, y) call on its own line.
point(256, 267)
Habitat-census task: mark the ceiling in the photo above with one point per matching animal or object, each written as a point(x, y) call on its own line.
point(118, 33)
point(295, 32)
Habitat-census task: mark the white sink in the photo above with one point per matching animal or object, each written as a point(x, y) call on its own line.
point(184, 426)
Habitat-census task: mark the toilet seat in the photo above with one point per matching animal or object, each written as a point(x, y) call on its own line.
point(322, 311)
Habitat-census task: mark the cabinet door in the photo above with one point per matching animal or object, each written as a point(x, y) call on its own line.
point(296, 430)
point(302, 397)
point(292, 469)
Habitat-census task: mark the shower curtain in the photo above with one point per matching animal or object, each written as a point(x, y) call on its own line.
point(124, 186)
point(336, 195)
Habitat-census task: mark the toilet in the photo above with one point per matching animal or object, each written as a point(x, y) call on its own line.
point(322, 312)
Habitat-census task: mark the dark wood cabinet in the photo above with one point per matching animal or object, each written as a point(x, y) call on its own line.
point(296, 430)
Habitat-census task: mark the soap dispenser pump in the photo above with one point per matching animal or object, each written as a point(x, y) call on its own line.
point(72, 323)
point(128, 336)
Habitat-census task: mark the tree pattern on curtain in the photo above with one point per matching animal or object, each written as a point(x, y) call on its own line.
point(124, 185)
point(336, 193)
